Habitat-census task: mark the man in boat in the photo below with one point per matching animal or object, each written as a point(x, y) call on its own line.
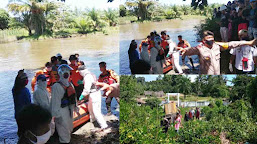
point(75, 76)
point(54, 77)
point(109, 77)
point(147, 40)
point(91, 90)
point(184, 44)
point(63, 103)
point(245, 56)
point(164, 43)
point(47, 71)
point(59, 58)
point(208, 52)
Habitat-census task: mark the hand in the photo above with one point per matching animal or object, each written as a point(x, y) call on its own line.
point(253, 42)
point(230, 67)
point(81, 97)
point(105, 87)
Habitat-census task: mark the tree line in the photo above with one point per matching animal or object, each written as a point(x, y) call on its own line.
point(43, 17)
point(242, 86)
point(153, 10)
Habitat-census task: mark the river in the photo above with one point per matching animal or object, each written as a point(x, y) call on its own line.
point(32, 55)
point(139, 31)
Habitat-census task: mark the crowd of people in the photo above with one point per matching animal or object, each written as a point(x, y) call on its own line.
point(157, 51)
point(238, 21)
point(57, 91)
point(166, 123)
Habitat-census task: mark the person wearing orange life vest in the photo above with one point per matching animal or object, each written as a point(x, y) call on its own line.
point(164, 43)
point(109, 77)
point(185, 44)
point(75, 76)
point(147, 40)
point(47, 72)
point(63, 103)
point(54, 77)
point(34, 79)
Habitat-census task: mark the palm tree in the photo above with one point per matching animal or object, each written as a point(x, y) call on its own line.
point(140, 8)
point(33, 13)
point(84, 24)
point(111, 16)
point(95, 16)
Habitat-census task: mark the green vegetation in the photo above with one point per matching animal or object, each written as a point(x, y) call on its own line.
point(234, 123)
point(152, 10)
point(42, 19)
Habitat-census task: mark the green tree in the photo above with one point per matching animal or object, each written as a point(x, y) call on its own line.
point(239, 90)
point(4, 19)
point(111, 16)
point(33, 13)
point(123, 11)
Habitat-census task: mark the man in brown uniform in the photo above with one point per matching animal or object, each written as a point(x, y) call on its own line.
point(209, 52)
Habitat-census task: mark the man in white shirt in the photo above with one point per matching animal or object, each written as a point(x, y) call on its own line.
point(245, 56)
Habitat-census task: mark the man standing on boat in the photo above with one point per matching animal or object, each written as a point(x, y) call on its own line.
point(109, 77)
point(208, 52)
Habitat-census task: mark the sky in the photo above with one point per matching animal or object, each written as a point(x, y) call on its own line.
point(187, 2)
point(80, 4)
point(191, 77)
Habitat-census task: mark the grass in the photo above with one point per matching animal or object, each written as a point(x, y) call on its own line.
point(130, 19)
point(10, 35)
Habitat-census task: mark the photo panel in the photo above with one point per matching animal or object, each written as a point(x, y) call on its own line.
point(188, 108)
point(187, 37)
point(59, 64)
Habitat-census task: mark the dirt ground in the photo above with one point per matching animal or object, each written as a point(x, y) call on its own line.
point(85, 135)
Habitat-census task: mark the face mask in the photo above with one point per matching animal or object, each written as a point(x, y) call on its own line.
point(209, 42)
point(49, 68)
point(26, 82)
point(66, 75)
point(245, 38)
point(43, 138)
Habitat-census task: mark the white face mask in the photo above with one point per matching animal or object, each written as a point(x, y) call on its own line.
point(43, 138)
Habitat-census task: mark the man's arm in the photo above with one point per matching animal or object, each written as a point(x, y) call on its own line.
point(235, 44)
point(189, 51)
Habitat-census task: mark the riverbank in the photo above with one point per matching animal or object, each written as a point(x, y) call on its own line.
point(7, 36)
point(133, 19)
point(84, 134)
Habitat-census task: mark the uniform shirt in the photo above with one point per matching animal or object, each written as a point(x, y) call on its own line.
point(210, 58)
point(241, 52)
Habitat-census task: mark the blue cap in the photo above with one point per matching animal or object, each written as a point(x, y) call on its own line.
point(64, 66)
point(252, 1)
point(41, 77)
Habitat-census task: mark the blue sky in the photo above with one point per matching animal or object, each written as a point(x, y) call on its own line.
point(191, 77)
point(81, 4)
point(187, 2)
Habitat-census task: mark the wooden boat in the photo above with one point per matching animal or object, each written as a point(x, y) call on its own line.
point(82, 116)
point(167, 67)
